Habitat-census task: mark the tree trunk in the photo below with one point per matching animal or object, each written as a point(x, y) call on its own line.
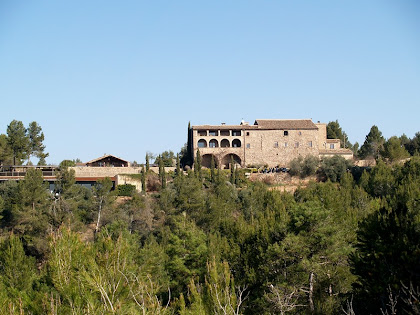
point(311, 292)
point(99, 216)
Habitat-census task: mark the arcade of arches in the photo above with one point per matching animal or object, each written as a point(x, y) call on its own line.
point(225, 161)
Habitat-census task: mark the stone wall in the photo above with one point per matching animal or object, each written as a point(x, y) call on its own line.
point(258, 147)
point(85, 171)
point(127, 180)
point(322, 135)
point(273, 147)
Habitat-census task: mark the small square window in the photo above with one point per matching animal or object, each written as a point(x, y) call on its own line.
point(285, 133)
point(247, 133)
point(331, 145)
point(285, 144)
point(276, 144)
point(248, 146)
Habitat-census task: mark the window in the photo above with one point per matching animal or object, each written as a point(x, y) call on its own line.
point(236, 143)
point(225, 133)
point(202, 143)
point(310, 144)
point(300, 133)
point(236, 133)
point(247, 133)
point(248, 146)
point(225, 143)
point(276, 144)
point(285, 133)
point(285, 144)
point(202, 133)
point(213, 143)
point(296, 144)
point(213, 133)
point(331, 145)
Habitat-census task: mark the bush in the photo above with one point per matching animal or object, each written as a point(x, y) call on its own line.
point(126, 190)
point(295, 166)
point(334, 167)
point(304, 167)
point(310, 165)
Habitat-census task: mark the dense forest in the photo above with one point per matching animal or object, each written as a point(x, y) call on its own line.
point(210, 241)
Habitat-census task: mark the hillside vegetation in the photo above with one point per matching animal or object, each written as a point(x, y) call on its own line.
point(204, 245)
point(325, 238)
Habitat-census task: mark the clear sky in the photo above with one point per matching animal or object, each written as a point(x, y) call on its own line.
point(126, 77)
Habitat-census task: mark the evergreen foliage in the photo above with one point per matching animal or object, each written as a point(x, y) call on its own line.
point(197, 165)
point(143, 179)
point(334, 131)
point(373, 144)
point(213, 242)
point(147, 162)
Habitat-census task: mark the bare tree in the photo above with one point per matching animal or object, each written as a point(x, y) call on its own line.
point(411, 298)
point(349, 307)
point(391, 306)
point(284, 299)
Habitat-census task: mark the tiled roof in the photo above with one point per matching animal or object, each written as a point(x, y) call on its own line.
point(285, 124)
point(105, 156)
point(223, 127)
point(336, 151)
point(272, 124)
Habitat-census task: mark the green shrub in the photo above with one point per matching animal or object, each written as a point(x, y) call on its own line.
point(334, 167)
point(310, 165)
point(304, 167)
point(126, 190)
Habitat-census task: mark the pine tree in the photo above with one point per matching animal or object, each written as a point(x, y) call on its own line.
point(373, 144)
point(17, 141)
point(36, 138)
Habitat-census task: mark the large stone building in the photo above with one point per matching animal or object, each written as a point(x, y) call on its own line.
point(272, 142)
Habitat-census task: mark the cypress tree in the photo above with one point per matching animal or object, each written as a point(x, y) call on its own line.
point(187, 154)
point(190, 152)
point(143, 179)
point(178, 167)
point(162, 174)
point(163, 177)
point(147, 162)
point(212, 169)
point(197, 165)
point(232, 171)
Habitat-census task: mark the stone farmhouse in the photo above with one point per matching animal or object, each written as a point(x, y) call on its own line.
point(271, 142)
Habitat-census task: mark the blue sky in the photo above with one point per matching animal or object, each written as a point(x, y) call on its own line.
point(126, 77)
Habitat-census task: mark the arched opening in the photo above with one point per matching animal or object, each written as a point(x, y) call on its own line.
point(236, 143)
point(202, 143)
point(227, 160)
point(225, 143)
point(206, 160)
point(213, 143)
